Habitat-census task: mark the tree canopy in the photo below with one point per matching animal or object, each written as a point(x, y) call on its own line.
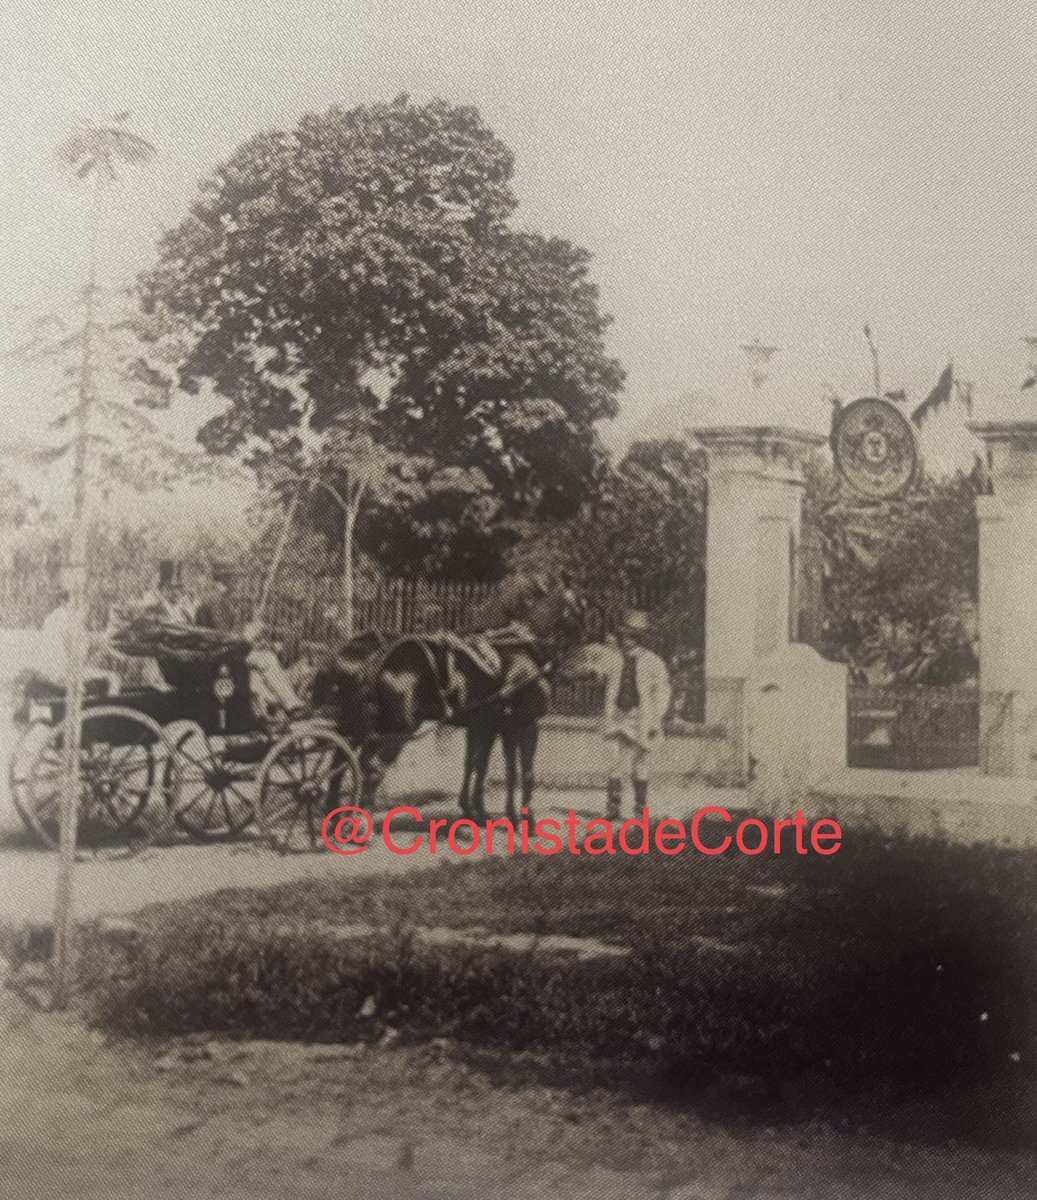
point(361, 270)
point(901, 579)
point(643, 534)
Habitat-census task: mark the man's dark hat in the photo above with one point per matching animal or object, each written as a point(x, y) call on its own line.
point(170, 573)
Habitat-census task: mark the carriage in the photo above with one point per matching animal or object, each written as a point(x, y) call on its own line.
point(199, 744)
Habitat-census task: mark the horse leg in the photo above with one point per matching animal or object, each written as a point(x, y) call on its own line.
point(372, 777)
point(527, 749)
point(465, 799)
point(482, 741)
point(511, 771)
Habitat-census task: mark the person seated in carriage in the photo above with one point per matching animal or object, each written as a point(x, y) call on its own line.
point(215, 610)
point(171, 605)
point(271, 685)
point(169, 602)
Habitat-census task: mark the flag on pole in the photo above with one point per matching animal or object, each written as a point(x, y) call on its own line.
point(937, 398)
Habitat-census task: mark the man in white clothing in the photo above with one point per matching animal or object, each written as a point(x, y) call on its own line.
point(637, 699)
point(52, 657)
point(271, 685)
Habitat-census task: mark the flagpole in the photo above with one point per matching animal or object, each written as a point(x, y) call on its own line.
point(75, 644)
point(876, 377)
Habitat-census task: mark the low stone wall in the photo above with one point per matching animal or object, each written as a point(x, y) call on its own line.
point(570, 755)
point(956, 806)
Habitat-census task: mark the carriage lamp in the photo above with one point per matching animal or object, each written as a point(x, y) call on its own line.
point(223, 688)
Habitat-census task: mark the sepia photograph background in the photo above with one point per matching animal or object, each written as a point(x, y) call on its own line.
point(614, 413)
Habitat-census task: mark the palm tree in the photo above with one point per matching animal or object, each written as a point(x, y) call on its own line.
point(95, 154)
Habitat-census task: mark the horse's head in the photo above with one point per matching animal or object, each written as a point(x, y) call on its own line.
point(558, 616)
point(344, 686)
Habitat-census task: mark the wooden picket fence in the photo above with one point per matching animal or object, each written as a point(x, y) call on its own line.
point(311, 612)
point(304, 608)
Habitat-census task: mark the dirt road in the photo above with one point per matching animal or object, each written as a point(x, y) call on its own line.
point(198, 1117)
point(81, 1119)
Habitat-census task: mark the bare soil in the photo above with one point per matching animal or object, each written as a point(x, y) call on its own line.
point(81, 1116)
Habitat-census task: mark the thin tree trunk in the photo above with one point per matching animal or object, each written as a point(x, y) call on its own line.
point(353, 500)
point(75, 649)
point(282, 542)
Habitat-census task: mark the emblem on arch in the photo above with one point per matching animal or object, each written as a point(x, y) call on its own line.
point(874, 449)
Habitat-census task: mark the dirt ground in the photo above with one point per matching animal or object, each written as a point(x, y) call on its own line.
point(83, 1117)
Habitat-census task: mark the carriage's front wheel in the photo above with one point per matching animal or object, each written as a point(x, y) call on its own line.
point(306, 775)
point(117, 769)
point(209, 789)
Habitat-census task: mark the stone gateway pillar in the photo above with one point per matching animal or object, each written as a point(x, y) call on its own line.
point(1008, 598)
point(755, 499)
point(783, 707)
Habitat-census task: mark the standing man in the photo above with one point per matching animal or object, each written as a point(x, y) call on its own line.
point(168, 602)
point(637, 698)
point(215, 610)
point(52, 656)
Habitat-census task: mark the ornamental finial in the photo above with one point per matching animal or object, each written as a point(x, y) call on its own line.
point(758, 356)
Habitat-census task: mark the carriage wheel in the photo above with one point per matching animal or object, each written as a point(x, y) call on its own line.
point(117, 769)
point(18, 770)
point(305, 775)
point(210, 797)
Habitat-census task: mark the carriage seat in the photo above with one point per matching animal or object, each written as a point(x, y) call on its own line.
point(36, 687)
point(36, 690)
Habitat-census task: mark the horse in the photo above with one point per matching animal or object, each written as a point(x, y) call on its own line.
point(492, 685)
point(343, 691)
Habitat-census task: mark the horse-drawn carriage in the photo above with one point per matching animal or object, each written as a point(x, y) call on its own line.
point(202, 746)
point(209, 753)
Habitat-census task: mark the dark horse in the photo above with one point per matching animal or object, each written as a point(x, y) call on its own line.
point(492, 685)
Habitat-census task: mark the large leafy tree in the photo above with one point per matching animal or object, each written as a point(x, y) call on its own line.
point(641, 538)
point(360, 272)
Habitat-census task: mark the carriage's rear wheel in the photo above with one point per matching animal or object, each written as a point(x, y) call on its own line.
point(306, 774)
point(18, 769)
point(210, 793)
point(117, 769)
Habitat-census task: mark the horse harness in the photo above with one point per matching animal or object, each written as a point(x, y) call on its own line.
point(483, 654)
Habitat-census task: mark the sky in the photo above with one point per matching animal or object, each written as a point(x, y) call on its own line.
point(784, 170)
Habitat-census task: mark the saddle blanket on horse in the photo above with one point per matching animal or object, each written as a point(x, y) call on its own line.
point(505, 658)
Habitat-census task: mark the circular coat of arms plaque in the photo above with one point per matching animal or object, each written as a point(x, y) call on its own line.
point(874, 448)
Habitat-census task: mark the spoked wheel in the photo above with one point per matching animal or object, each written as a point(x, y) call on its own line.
point(117, 769)
point(306, 774)
point(209, 787)
point(19, 767)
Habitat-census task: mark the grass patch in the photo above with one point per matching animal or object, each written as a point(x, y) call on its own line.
point(908, 965)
